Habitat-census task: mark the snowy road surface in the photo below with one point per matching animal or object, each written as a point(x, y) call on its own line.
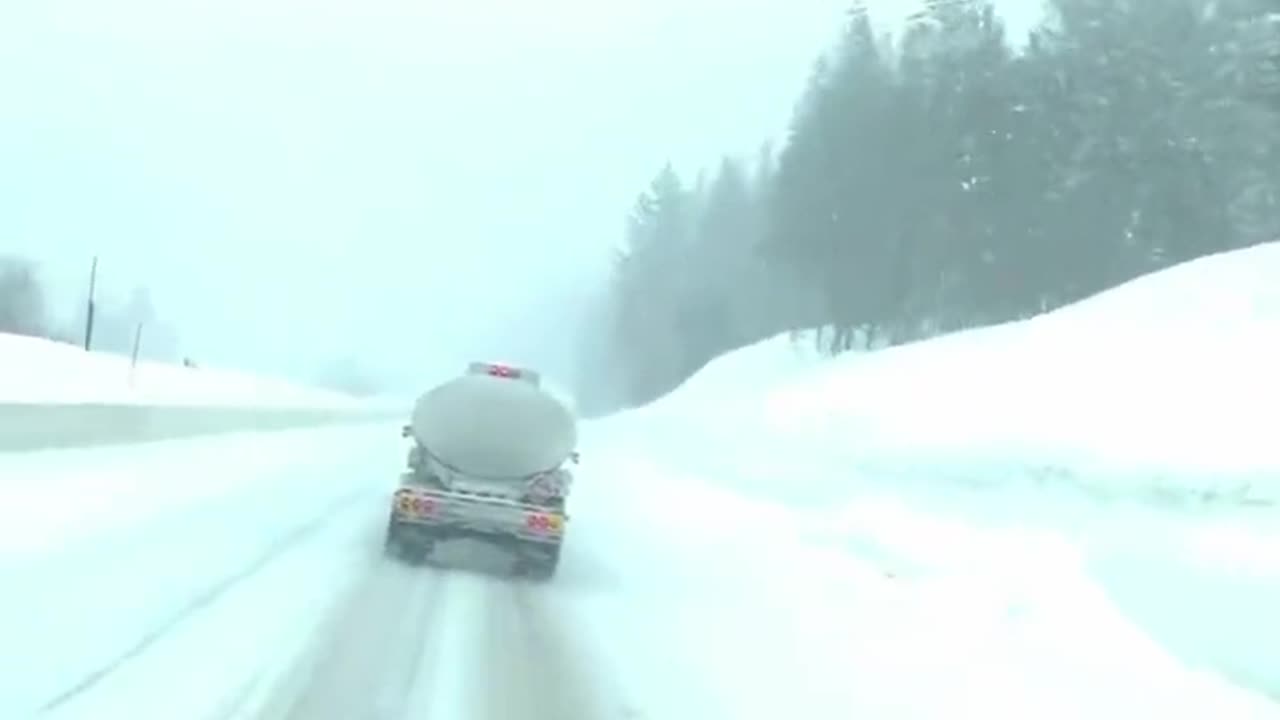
point(241, 578)
point(163, 580)
point(396, 649)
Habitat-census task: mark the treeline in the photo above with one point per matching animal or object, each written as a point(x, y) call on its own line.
point(948, 178)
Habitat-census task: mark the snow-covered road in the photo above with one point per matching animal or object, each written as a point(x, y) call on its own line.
point(414, 644)
point(178, 566)
point(241, 578)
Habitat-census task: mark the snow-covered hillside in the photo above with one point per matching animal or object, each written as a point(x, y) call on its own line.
point(1164, 385)
point(40, 371)
point(1121, 448)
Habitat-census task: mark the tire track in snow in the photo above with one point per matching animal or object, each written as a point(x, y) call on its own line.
point(530, 667)
point(203, 600)
point(415, 642)
point(370, 652)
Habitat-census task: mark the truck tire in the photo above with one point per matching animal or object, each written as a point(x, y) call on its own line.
point(417, 553)
point(543, 571)
point(392, 544)
point(411, 550)
point(540, 566)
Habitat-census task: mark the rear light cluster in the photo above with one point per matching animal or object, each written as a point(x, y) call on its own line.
point(542, 523)
point(420, 505)
point(503, 371)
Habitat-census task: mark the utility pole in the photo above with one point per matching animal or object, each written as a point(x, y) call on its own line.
point(133, 362)
point(88, 318)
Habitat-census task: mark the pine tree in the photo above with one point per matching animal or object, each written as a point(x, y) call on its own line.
point(945, 180)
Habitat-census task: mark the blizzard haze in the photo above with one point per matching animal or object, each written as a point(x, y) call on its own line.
point(391, 184)
point(298, 183)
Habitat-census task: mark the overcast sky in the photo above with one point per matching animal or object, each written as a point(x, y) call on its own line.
point(403, 181)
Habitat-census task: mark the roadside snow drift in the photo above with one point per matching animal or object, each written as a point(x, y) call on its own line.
point(34, 370)
point(1110, 469)
point(735, 609)
point(1164, 385)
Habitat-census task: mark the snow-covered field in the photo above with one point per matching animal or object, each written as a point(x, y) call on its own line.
point(1046, 519)
point(40, 371)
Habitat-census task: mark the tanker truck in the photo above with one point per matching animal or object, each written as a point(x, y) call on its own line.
point(488, 461)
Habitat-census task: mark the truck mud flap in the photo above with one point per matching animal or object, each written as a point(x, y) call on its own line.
point(536, 561)
point(408, 544)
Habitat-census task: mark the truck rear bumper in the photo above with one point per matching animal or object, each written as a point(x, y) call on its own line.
point(416, 542)
point(431, 532)
point(441, 515)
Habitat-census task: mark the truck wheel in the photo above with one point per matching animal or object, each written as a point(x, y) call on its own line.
point(419, 553)
point(407, 551)
point(393, 545)
point(543, 571)
point(391, 538)
point(540, 567)
point(410, 549)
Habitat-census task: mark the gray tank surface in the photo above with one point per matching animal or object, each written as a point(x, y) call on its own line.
point(494, 428)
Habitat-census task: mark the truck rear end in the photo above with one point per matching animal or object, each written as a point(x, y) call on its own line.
point(423, 517)
point(487, 464)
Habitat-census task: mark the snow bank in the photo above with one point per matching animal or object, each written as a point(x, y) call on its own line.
point(34, 370)
point(1107, 468)
point(750, 613)
point(1164, 385)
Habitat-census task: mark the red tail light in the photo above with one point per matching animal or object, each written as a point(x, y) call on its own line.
point(408, 503)
point(542, 523)
point(503, 371)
